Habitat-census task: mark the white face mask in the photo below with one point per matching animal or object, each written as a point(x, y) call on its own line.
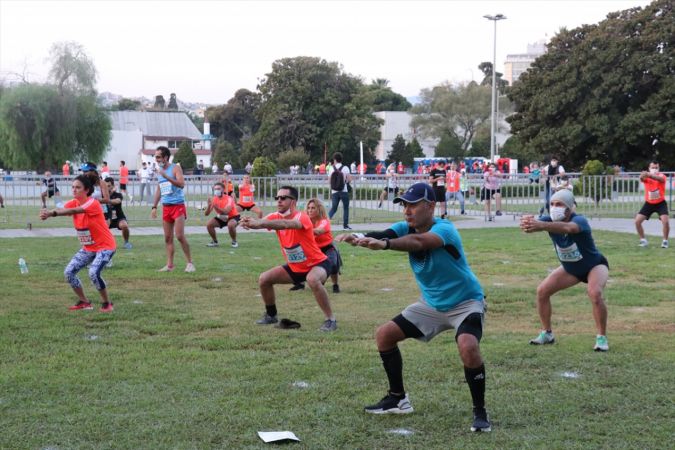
point(558, 213)
point(218, 192)
point(554, 163)
point(653, 171)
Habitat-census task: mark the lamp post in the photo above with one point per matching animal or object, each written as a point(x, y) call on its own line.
point(493, 112)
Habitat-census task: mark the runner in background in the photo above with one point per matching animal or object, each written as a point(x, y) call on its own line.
point(115, 216)
point(49, 189)
point(247, 197)
point(226, 215)
point(124, 180)
point(655, 202)
point(454, 187)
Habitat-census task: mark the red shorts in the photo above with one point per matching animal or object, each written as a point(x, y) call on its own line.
point(172, 212)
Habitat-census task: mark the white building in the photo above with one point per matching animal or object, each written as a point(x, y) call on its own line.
point(516, 64)
point(137, 134)
point(395, 123)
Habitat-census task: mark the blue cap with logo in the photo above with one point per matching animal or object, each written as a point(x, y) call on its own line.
point(416, 193)
point(87, 167)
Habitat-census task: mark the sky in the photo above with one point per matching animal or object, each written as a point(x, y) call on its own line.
point(205, 51)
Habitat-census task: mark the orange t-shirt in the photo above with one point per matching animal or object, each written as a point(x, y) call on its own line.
point(222, 203)
point(326, 238)
point(298, 246)
point(124, 175)
point(92, 229)
point(452, 180)
point(66, 170)
point(246, 195)
point(655, 191)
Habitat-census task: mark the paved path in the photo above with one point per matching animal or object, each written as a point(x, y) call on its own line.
point(652, 227)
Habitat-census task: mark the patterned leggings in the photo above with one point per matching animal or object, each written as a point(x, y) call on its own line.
point(83, 258)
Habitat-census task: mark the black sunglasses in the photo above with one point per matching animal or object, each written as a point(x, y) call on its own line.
point(284, 197)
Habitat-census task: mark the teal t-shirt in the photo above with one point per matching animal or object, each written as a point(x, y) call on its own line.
point(442, 274)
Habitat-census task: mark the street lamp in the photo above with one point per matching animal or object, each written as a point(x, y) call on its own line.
point(493, 112)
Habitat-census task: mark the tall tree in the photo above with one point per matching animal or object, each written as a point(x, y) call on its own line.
point(452, 110)
point(398, 151)
point(604, 91)
point(382, 98)
point(413, 150)
point(449, 147)
point(185, 156)
point(486, 68)
point(310, 103)
point(71, 68)
point(127, 104)
point(236, 121)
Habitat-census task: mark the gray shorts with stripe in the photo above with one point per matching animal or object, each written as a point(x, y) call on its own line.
point(432, 322)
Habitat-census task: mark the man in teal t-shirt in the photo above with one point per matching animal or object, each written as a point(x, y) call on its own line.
point(451, 298)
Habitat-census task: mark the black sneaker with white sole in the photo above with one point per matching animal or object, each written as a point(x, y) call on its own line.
point(266, 319)
point(481, 422)
point(391, 404)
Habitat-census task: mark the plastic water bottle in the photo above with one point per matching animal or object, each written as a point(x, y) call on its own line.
point(23, 266)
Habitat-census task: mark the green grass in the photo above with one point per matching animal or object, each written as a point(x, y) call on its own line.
point(180, 363)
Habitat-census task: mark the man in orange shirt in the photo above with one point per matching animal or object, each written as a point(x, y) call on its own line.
point(226, 215)
point(453, 179)
point(66, 169)
point(304, 259)
point(98, 244)
point(655, 202)
point(124, 180)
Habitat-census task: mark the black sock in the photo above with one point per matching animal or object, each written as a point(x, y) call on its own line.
point(271, 310)
point(476, 380)
point(393, 366)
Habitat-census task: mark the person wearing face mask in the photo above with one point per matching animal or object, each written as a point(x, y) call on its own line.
point(226, 215)
point(304, 259)
point(492, 180)
point(551, 174)
point(580, 262)
point(655, 202)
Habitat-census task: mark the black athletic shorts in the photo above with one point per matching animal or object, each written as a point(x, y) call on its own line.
point(660, 208)
point(52, 193)
point(123, 186)
point(222, 223)
point(299, 278)
point(584, 278)
point(439, 193)
point(487, 194)
point(245, 208)
point(115, 224)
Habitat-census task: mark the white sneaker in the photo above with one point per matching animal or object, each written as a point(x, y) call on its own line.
point(212, 244)
point(166, 268)
point(235, 244)
point(643, 243)
point(664, 244)
point(190, 268)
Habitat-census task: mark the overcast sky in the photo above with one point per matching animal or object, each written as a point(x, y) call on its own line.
point(205, 50)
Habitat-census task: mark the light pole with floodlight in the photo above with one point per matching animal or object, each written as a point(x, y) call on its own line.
point(493, 112)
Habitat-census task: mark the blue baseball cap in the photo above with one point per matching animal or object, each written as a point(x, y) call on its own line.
point(87, 167)
point(416, 193)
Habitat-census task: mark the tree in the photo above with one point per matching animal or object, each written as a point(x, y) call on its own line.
point(292, 157)
point(71, 68)
point(486, 68)
point(308, 103)
point(185, 156)
point(381, 97)
point(236, 121)
point(223, 152)
point(41, 126)
point(263, 167)
point(453, 111)
point(160, 103)
point(173, 103)
point(413, 150)
point(398, 150)
point(127, 104)
point(449, 147)
point(603, 91)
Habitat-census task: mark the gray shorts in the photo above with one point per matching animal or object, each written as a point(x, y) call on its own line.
point(432, 322)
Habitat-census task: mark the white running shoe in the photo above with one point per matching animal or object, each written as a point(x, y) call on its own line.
point(190, 268)
point(643, 243)
point(664, 244)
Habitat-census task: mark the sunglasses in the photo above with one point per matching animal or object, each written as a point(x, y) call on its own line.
point(284, 197)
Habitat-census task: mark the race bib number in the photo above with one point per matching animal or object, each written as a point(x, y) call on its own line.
point(654, 195)
point(569, 254)
point(440, 183)
point(223, 217)
point(164, 188)
point(84, 236)
point(113, 214)
point(295, 254)
point(247, 199)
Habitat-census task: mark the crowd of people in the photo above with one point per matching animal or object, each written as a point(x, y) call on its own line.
point(451, 295)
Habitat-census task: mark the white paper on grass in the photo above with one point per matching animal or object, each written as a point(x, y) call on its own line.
point(274, 436)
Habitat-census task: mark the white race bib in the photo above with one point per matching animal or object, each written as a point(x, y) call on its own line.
point(164, 188)
point(654, 195)
point(569, 254)
point(247, 199)
point(113, 214)
point(295, 254)
point(84, 237)
point(440, 183)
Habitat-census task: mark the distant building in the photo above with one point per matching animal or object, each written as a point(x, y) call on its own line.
point(516, 64)
point(137, 134)
point(395, 123)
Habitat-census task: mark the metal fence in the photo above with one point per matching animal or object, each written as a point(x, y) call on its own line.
point(597, 196)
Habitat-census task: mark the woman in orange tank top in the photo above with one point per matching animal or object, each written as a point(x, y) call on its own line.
point(324, 238)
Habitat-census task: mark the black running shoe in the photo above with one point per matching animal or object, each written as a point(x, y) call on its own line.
point(391, 404)
point(297, 287)
point(481, 422)
point(336, 289)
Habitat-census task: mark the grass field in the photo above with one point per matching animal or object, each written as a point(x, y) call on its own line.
point(181, 364)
